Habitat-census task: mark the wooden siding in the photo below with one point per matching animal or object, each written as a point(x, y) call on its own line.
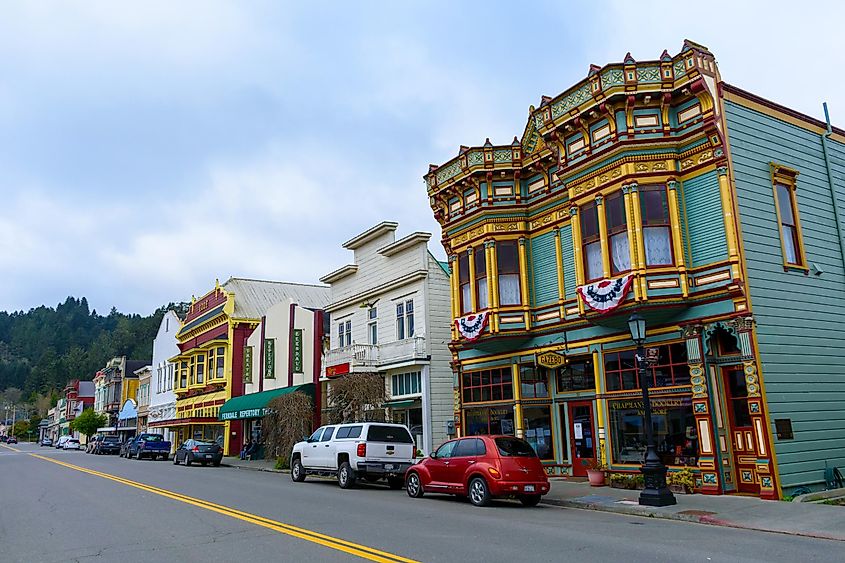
point(568, 255)
point(802, 345)
point(544, 269)
point(705, 222)
point(439, 320)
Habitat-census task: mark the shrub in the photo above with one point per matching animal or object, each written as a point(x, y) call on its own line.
point(289, 418)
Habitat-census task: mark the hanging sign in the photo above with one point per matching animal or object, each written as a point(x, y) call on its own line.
point(606, 295)
point(297, 350)
point(269, 358)
point(652, 354)
point(471, 326)
point(551, 360)
point(247, 364)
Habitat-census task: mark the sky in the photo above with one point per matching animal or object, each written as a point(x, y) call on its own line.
point(149, 148)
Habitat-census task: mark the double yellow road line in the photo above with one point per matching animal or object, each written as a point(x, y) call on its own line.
point(338, 544)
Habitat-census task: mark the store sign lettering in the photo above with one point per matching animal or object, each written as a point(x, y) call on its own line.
point(551, 360)
point(297, 350)
point(246, 413)
point(270, 358)
point(337, 370)
point(248, 364)
point(658, 406)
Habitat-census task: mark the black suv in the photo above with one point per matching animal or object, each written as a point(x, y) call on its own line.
point(108, 445)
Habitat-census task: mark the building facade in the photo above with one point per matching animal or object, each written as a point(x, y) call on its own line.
point(114, 385)
point(162, 408)
point(143, 397)
point(77, 396)
point(390, 314)
point(210, 362)
point(653, 187)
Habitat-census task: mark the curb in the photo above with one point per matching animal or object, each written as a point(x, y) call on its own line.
point(248, 468)
point(694, 518)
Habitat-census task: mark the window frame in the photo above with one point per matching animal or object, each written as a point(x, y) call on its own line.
point(501, 271)
point(615, 230)
point(372, 325)
point(474, 380)
point(589, 240)
point(787, 178)
point(479, 254)
point(651, 371)
point(667, 223)
point(463, 283)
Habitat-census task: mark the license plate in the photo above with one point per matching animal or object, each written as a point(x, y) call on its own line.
point(529, 488)
point(389, 466)
point(209, 455)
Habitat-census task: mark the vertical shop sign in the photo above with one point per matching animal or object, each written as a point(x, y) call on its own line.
point(270, 358)
point(247, 364)
point(297, 350)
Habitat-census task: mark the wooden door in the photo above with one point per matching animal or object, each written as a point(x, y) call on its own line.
point(741, 430)
point(581, 437)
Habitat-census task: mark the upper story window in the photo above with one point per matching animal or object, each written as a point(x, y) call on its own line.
point(406, 383)
point(405, 320)
point(487, 385)
point(479, 259)
point(670, 370)
point(534, 382)
point(200, 369)
point(786, 208)
point(183, 374)
point(591, 242)
point(617, 233)
point(193, 371)
point(372, 325)
point(344, 333)
point(463, 280)
point(221, 363)
point(657, 226)
point(507, 261)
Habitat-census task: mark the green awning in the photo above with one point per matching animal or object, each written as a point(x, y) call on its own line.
point(254, 405)
point(401, 404)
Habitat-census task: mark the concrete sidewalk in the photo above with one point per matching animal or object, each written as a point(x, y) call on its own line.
point(751, 513)
point(795, 518)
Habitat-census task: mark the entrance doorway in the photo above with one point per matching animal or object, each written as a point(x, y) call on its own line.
point(742, 430)
point(581, 439)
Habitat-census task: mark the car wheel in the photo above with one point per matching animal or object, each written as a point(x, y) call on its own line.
point(413, 485)
point(187, 460)
point(529, 500)
point(479, 492)
point(175, 460)
point(297, 472)
point(395, 483)
point(345, 476)
point(216, 464)
point(139, 456)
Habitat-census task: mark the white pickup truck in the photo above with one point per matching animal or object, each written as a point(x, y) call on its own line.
point(366, 450)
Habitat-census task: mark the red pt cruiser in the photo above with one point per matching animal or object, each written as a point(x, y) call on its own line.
point(481, 467)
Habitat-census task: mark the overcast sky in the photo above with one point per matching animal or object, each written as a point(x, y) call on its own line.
point(148, 148)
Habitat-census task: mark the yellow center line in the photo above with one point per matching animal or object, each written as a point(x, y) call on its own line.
point(351, 548)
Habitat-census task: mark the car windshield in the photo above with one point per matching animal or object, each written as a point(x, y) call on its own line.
point(389, 434)
point(203, 443)
point(152, 438)
point(514, 447)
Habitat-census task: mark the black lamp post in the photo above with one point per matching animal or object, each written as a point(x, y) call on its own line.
point(655, 492)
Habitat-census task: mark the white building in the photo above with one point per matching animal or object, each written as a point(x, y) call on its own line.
point(390, 313)
point(162, 402)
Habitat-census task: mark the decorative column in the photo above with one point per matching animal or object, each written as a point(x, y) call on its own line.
point(605, 251)
point(523, 283)
point(492, 285)
point(764, 467)
point(561, 287)
point(727, 212)
point(677, 240)
point(575, 223)
point(638, 227)
point(454, 286)
point(632, 236)
point(471, 266)
point(519, 431)
point(707, 460)
point(601, 440)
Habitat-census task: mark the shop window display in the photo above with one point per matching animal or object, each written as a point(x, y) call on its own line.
point(670, 370)
point(489, 420)
point(538, 430)
point(534, 383)
point(487, 385)
point(577, 375)
point(674, 430)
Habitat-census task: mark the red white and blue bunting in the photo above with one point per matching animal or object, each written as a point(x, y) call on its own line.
point(471, 326)
point(606, 295)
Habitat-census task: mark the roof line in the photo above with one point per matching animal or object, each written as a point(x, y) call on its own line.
point(276, 281)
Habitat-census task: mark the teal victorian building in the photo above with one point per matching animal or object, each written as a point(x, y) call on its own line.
point(654, 186)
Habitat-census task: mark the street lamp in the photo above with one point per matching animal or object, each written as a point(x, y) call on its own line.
point(655, 492)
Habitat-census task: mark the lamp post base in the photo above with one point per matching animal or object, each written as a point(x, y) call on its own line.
point(656, 492)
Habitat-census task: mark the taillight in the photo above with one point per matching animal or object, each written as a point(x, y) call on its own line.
point(362, 450)
point(196, 449)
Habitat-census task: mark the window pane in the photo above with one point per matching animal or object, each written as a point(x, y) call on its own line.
point(410, 318)
point(481, 286)
point(589, 221)
point(507, 257)
point(620, 255)
point(785, 205)
point(400, 328)
point(658, 246)
point(463, 267)
point(615, 209)
point(538, 430)
point(509, 289)
point(466, 304)
point(592, 260)
point(655, 207)
point(480, 262)
point(790, 246)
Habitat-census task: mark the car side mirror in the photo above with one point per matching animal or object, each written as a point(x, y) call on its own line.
point(433, 455)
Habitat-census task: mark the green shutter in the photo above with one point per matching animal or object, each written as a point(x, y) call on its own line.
point(705, 219)
point(544, 263)
point(568, 255)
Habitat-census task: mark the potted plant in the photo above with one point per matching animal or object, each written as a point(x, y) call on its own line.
point(682, 481)
point(595, 471)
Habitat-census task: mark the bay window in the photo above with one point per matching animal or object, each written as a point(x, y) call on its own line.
point(591, 242)
point(463, 280)
point(657, 226)
point(507, 259)
point(480, 264)
point(221, 362)
point(617, 232)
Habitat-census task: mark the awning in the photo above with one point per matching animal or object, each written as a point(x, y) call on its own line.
point(402, 404)
point(107, 429)
point(254, 405)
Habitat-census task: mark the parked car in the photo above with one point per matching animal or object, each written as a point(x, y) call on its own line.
point(124, 447)
point(481, 467)
point(4, 439)
point(72, 444)
point(368, 450)
point(196, 451)
point(45, 442)
point(12, 440)
point(148, 445)
point(89, 447)
point(60, 443)
point(108, 445)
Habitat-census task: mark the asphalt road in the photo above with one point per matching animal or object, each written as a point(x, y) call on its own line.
point(69, 506)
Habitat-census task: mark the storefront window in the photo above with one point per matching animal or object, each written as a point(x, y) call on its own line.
point(671, 368)
point(490, 420)
point(487, 385)
point(538, 430)
point(674, 430)
point(577, 375)
point(534, 383)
